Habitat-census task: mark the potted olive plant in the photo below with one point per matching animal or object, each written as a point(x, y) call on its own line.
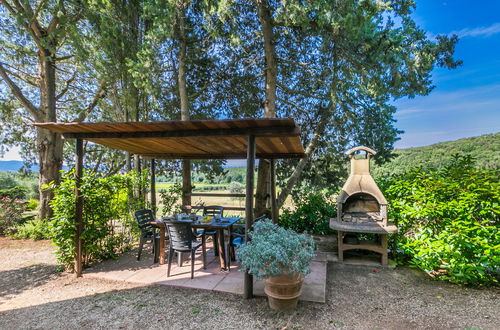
point(281, 257)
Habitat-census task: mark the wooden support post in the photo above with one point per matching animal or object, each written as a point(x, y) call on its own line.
point(274, 203)
point(78, 208)
point(340, 242)
point(248, 283)
point(186, 185)
point(383, 244)
point(153, 187)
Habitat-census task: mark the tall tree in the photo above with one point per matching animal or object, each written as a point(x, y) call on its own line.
point(183, 94)
point(38, 40)
point(370, 54)
point(271, 77)
point(337, 67)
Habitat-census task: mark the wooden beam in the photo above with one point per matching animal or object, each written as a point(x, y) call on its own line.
point(215, 195)
point(274, 203)
point(153, 186)
point(223, 156)
point(274, 131)
point(78, 208)
point(248, 282)
point(226, 208)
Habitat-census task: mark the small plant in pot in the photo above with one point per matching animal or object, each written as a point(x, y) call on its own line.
point(281, 257)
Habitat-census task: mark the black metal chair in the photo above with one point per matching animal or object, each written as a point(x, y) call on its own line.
point(148, 232)
point(238, 239)
point(213, 211)
point(182, 239)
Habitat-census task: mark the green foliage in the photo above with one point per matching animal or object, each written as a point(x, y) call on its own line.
point(7, 180)
point(339, 63)
point(484, 149)
point(32, 229)
point(274, 250)
point(201, 176)
point(448, 221)
point(236, 188)
point(32, 205)
point(312, 215)
point(17, 192)
point(17, 185)
point(11, 212)
point(170, 199)
point(107, 215)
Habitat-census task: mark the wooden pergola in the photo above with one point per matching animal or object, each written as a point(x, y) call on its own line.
point(266, 138)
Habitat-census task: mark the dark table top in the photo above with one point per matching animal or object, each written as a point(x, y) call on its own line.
point(223, 222)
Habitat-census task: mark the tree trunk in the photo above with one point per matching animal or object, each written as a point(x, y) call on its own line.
point(311, 147)
point(137, 167)
point(128, 155)
point(50, 152)
point(271, 73)
point(184, 100)
point(270, 59)
point(324, 116)
point(50, 145)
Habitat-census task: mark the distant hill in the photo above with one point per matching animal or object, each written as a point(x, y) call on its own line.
point(14, 166)
point(485, 149)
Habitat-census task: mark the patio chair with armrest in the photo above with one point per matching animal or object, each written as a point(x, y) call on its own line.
point(148, 232)
point(196, 233)
point(213, 211)
point(182, 239)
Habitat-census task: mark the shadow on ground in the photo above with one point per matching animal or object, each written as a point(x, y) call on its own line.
point(358, 297)
point(17, 280)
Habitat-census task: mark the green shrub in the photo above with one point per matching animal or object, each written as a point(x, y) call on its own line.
point(169, 199)
point(32, 205)
point(18, 186)
point(32, 229)
point(17, 192)
point(448, 221)
point(274, 250)
point(11, 213)
point(312, 215)
point(7, 180)
point(108, 225)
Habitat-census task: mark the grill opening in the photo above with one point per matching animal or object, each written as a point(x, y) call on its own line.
point(361, 207)
point(361, 203)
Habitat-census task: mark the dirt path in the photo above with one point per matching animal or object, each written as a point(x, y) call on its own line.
point(34, 295)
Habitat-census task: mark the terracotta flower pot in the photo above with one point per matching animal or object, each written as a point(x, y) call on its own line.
point(283, 291)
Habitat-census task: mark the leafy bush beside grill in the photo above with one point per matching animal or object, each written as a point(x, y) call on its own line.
point(448, 221)
point(312, 215)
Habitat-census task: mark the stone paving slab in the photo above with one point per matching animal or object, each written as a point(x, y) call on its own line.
point(127, 268)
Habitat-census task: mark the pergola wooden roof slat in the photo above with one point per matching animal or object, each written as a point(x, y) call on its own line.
point(193, 139)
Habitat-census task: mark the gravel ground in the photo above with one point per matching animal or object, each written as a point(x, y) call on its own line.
point(34, 295)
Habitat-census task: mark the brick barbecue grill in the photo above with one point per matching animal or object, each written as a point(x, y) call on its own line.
point(361, 207)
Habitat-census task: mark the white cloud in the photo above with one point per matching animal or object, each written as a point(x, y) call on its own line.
point(461, 100)
point(448, 115)
point(483, 31)
point(12, 154)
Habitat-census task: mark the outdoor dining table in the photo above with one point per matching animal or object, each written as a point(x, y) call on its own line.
point(218, 224)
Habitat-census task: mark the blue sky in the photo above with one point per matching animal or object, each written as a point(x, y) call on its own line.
point(466, 100)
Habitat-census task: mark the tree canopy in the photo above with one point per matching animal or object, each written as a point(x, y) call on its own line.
point(335, 67)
